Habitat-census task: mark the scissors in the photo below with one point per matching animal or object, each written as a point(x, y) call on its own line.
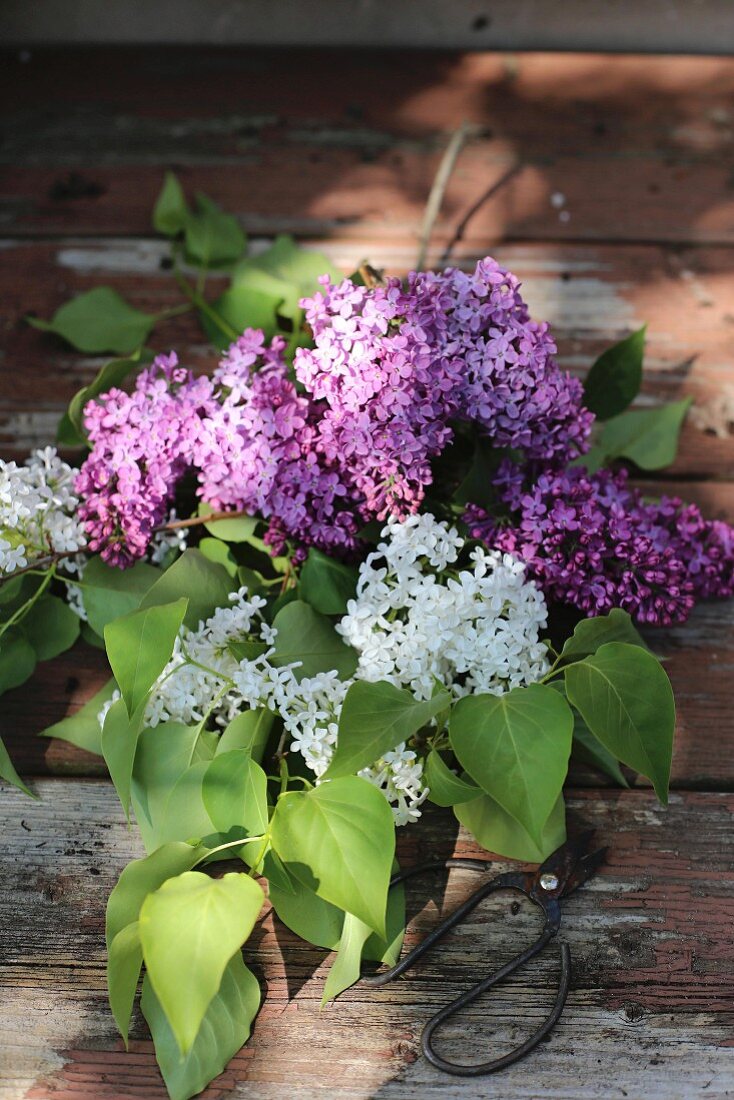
point(563, 872)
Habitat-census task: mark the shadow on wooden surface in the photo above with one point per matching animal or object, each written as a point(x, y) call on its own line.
point(650, 1010)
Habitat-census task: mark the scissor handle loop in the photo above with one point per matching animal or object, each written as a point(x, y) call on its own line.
point(510, 881)
point(483, 1068)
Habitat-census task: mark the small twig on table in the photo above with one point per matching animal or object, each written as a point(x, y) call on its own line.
point(440, 183)
point(474, 208)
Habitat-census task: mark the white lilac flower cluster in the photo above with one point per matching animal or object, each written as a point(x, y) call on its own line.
point(416, 619)
point(37, 510)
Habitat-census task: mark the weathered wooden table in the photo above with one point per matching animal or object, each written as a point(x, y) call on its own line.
point(608, 185)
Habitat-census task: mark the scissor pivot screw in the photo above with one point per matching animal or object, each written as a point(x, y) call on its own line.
point(549, 882)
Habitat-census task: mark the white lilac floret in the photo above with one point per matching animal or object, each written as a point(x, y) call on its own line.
point(417, 618)
point(38, 510)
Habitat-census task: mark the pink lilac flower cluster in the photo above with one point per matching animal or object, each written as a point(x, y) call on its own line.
point(245, 431)
point(392, 367)
point(141, 445)
point(592, 541)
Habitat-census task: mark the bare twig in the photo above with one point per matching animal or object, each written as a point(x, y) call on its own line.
point(474, 208)
point(195, 521)
point(438, 190)
point(174, 525)
point(39, 563)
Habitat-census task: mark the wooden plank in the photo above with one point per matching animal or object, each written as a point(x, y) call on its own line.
point(382, 191)
point(660, 104)
point(651, 1005)
point(598, 148)
point(591, 295)
point(661, 25)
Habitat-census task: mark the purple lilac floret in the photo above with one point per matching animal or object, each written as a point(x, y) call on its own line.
point(258, 453)
point(593, 541)
point(511, 384)
point(396, 364)
point(392, 367)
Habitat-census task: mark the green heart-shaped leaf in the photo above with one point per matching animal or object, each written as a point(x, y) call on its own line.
point(647, 437)
point(142, 877)
point(9, 774)
point(446, 788)
point(99, 321)
point(212, 237)
point(110, 593)
point(347, 966)
point(309, 638)
point(205, 584)
point(192, 925)
point(339, 840)
point(17, 660)
point(170, 211)
point(224, 1030)
point(375, 717)
point(235, 793)
point(590, 634)
point(614, 379)
point(139, 647)
point(624, 695)
point(51, 627)
point(124, 963)
point(516, 747)
point(500, 833)
point(83, 729)
point(327, 585)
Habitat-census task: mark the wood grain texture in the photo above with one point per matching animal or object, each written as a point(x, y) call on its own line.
point(637, 148)
point(650, 1011)
point(659, 25)
point(606, 184)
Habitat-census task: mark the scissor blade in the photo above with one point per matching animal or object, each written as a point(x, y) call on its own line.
point(563, 861)
point(584, 869)
point(571, 864)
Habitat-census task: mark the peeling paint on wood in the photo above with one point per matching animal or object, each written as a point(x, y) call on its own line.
point(650, 1010)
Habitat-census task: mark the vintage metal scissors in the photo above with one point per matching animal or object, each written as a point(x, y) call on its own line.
point(562, 873)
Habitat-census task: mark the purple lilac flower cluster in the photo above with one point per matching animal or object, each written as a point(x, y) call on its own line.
point(351, 438)
point(396, 364)
point(392, 366)
point(593, 541)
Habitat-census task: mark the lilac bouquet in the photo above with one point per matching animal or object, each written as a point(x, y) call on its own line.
point(387, 554)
